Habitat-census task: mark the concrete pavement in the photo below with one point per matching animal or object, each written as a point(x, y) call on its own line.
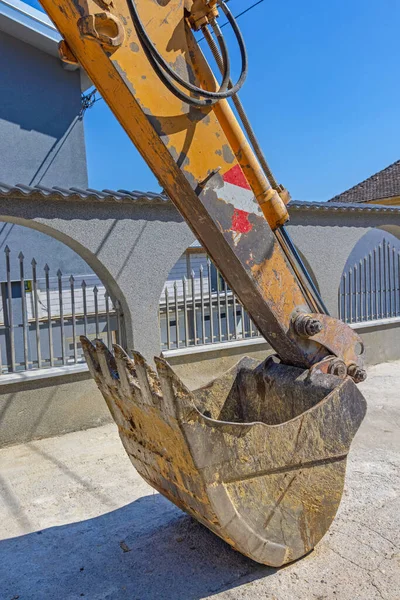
point(76, 521)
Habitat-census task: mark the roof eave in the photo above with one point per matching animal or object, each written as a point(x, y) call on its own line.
point(29, 25)
point(332, 206)
point(40, 192)
point(33, 27)
point(388, 201)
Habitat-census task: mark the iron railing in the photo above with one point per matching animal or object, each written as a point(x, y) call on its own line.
point(202, 310)
point(42, 317)
point(370, 289)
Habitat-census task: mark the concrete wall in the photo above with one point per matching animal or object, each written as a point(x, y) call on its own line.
point(41, 134)
point(382, 344)
point(47, 407)
point(55, 405)
point(198, 369)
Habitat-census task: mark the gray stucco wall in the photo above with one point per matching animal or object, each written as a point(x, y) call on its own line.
point(44, 408)
point(41, 134)
point(327, 238)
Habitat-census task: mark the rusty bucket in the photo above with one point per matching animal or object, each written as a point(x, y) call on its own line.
point(258, 455)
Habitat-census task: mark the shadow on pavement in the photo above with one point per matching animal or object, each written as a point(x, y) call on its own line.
point(146, 550)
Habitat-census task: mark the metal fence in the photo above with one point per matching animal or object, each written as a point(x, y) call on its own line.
point(42, 317)
point(202, 310)
point(370, 290)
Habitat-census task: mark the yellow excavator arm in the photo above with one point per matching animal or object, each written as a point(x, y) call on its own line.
point(144, 59)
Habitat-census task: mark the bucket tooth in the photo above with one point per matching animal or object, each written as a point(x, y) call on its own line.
point(178, 401)
point(91, 358)
point(128, 389)
point(107, 364)
point(128, 381)
point(148, 381)
point(94, 356)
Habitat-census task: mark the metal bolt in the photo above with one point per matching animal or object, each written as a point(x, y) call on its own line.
point(306, 326)
point(357, 373)
point(313, 326)
point(338, 368)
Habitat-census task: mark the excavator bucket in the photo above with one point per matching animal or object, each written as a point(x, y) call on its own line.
point(258, 455)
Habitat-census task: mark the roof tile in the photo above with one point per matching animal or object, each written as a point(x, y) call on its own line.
point(384, 184)
point(39, 192)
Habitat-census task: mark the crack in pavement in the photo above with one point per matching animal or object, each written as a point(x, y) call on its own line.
point(348, 559)
point(376, 532)
point(375, 586)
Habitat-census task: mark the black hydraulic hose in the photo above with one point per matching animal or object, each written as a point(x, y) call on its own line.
point(169, 84)
point(233, 89)
point(167, 74)
point(144, 38)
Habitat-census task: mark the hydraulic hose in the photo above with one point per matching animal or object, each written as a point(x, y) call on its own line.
point(169, 76)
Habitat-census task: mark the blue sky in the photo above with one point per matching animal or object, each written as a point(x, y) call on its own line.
point(322, 93)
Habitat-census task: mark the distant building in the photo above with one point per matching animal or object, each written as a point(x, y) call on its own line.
point(381, 188)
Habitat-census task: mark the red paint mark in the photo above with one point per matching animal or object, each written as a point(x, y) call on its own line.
point(236, 176)
point(240, 221)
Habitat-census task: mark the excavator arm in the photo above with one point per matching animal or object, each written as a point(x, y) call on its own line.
point(144, 58)
point(202, 159)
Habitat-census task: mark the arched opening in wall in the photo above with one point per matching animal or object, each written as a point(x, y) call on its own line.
point(370, 285)
point(197, 307)
point(49, 296)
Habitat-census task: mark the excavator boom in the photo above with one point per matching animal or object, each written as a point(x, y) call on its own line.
point(146, 62)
